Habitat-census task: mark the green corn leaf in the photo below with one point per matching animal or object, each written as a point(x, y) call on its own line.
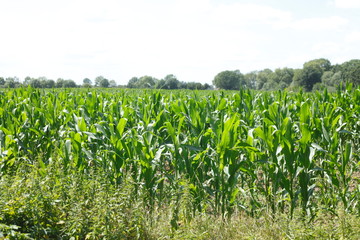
point(121, 126)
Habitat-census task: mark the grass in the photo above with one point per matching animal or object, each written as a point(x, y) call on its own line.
point(51, 204)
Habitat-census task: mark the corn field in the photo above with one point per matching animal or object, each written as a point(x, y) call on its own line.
point(230, 151)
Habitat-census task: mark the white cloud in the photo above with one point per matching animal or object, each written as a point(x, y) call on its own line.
point(347, 3)
point(121, 39)
point(326, 49)
point(250, 14)
point(319, 24)
point(353, 37)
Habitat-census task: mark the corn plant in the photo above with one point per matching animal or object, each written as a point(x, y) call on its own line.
point(236, 151)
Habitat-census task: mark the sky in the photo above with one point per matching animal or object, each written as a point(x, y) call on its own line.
point(192, 39)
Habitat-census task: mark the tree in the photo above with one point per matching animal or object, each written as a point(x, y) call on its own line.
point(43, 81)
point(98, 79)
point(171, 82)
point(27, 81)
point(2, 81)
point(193, 85)
point(336, 68)
point(250, 79)
point(60, 83)
point(336, 79)
point(285, 75)
point(160, 84)
point(318, 87)
point(322, 63)
point(104, 83)
point(12, 82)
point(46, 83)
point(69, 84)
point(190, 85)
point(146, 82)
point(281, 78)
point(330, 80)
point(326, 78)
point(311, 73)
point(207, 86)
point(307, 77)
point(270, 85)
point(35, 83)
point(87, 82)
point(230, 80)
point(133, 82)
point(49, 83)
point(351, 71)
point(112, 83)
point(263, 76)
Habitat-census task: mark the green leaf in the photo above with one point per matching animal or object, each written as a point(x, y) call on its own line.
point(121, 126)
point(317, 147)
point(305, 134)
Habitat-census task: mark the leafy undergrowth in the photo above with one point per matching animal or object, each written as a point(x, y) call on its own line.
point(54, 204)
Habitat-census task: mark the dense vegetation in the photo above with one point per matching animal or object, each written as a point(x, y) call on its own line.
point(117, 163)
point(316, 74)
point(169, 82)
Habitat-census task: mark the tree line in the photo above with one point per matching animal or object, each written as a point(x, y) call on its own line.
point(316, 74)
point(43, 82)
point(168, 82)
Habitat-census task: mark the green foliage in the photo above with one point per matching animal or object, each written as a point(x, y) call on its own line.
point(169, 82)
point(87, 82)
point(51, 204)
point(308, 77)
point(322, 63)
point(262, 78)
point(11, 82)
point(61, 83)
point(123, 156)
point(266, 79)
point(230, 80)
point(146, 82)
point(100, 81)
point(41, 82)
point(54, 205)
point(315, 75)
point(351, 71)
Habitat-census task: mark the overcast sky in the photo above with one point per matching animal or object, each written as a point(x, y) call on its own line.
point(192, 39)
